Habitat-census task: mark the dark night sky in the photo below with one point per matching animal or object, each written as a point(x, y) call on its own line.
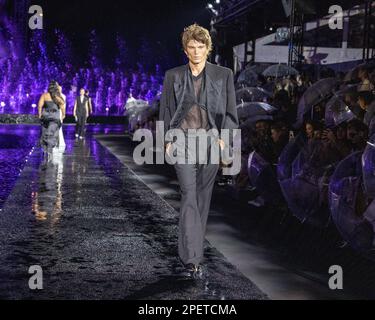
point(159, 20)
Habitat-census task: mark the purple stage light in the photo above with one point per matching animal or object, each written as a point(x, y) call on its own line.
point(24, 80)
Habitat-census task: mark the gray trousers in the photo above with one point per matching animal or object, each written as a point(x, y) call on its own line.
point(81, 124)
point(196, 184)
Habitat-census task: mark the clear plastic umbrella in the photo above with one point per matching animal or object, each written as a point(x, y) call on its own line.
point(357, 228)
point(136, 112)
point(289, 153)
point(248, 78)
point(279, 70)
point(262, 176)
point(315, 94)
point(352, 75)
point(251, 109)
point(368, 169)
point(302, 192)
point(136, 106)
point(252, 94)
point(258, 68)
point(337, 111)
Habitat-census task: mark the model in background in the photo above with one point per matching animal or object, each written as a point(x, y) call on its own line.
point(51, 109)
point(81, 113)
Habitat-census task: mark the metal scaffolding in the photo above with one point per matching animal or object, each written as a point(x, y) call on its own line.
point(368, 32)
point(233, 23)
point(296, 30)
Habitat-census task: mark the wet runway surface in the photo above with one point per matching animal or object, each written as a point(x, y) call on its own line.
point(16, 144)
point(285, 259)
point(99, 232)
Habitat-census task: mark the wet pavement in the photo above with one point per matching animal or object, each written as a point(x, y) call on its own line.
point(99, 232)
point(16, 143)
point(285, 259)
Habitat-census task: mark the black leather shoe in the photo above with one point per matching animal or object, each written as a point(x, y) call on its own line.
point(187, 271)
point(198, 274)
point(192, 271)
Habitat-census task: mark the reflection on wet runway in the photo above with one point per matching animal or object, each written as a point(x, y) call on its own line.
point(16, 145)
point(98, 232)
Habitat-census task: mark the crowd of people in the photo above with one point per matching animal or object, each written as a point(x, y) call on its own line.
point(303, 155)
point(269, 137)
point(321, 143)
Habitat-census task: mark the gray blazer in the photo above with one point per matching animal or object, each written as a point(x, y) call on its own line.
point(221, 99)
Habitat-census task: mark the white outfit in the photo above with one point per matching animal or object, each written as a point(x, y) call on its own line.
point(61, 146)
point(61, 135)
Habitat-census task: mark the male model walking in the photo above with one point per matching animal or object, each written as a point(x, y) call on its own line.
point(198, 95)
point(81, 113)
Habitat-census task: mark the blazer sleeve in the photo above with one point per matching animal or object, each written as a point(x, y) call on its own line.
point(165, 100)
point(231, 117)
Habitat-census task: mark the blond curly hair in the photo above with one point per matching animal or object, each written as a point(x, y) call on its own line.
point(198, 33)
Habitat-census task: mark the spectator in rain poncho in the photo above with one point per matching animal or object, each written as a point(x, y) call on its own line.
point(300, 88)
point(258, 140)
point(242, 179)
point(365, 84)
point(280, 138)
point(261, 142)
point(337, 139)
point(351, 100)
point(321, 155)
point(286, 112)
point(357, 134)
point(367, 103)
